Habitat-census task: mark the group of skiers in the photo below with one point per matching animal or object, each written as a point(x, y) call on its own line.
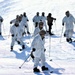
point(18, 29)
point(38, 50)
point(21, 22)
point(43, 18)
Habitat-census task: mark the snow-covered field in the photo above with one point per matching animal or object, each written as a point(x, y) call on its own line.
point(57, 49)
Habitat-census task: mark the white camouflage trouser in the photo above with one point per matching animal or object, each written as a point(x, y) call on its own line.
point(69, 33)
point(15, 39)
point(45, 26)
point(0, 27)
point(36, 60)
point(26, 24)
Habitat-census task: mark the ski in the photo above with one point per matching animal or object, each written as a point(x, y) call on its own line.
point(44, 72)
point(39, 72)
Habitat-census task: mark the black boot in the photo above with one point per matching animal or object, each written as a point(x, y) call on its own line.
point(44, 68)
point(11, 48)
point(64, 35)
point(51, 33)
point(23, 47)
point(0, 33)
point(18, 42)
point(67, 39)
point(70, 40)
point(36, 70)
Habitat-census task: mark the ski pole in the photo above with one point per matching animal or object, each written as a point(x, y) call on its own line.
point(49, 45)
point(3, 29)
point(9, 31)
point(25, 61)
point(55, 26)
point(61, 33)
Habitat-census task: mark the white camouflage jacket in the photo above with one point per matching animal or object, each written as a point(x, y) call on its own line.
point(36, 19)
point(38, 44)
point(17, 31)
point(68, 21)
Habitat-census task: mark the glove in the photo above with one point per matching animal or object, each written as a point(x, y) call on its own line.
point(12, 35)
point(33, 49)
point(44, 50)
point(32, 55)
point(27, 20)
point(63, 24)
point(26, 26)
point(33, 20)
point(55, 18)
point(10, 22)
point(1, 20)
point(18, 42)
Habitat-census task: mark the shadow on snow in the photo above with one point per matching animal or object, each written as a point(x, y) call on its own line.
point(23, 54)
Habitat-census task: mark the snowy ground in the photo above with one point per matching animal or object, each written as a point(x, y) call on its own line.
point(57, 49)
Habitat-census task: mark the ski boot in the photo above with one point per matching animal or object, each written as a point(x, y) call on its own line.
point(23, 47)
point(70, 40)
point(0, 33)
point(36, 70)
point(44, 68)
point(11, 48)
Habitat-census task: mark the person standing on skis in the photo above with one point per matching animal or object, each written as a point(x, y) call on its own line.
point(38, 50)
point(68, 21)
point(50, 22)
point(16, 33)
point(24, 22)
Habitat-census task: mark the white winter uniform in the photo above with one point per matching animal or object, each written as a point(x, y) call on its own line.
point(24, 22)
point(69, 25)
point(0, 23)
point(22, 25)
point(43, 18)
point(17, 32)
point(39, 53)
point(36, 19)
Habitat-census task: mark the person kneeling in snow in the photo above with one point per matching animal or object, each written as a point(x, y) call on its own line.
point(16, 33)
point(38, 51)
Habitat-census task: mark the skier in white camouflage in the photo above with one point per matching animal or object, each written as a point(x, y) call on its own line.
point(16, 33)
point(44, 18)
point(25, 23)
point(36, 19)
point(38, 50)
point(68, 21)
